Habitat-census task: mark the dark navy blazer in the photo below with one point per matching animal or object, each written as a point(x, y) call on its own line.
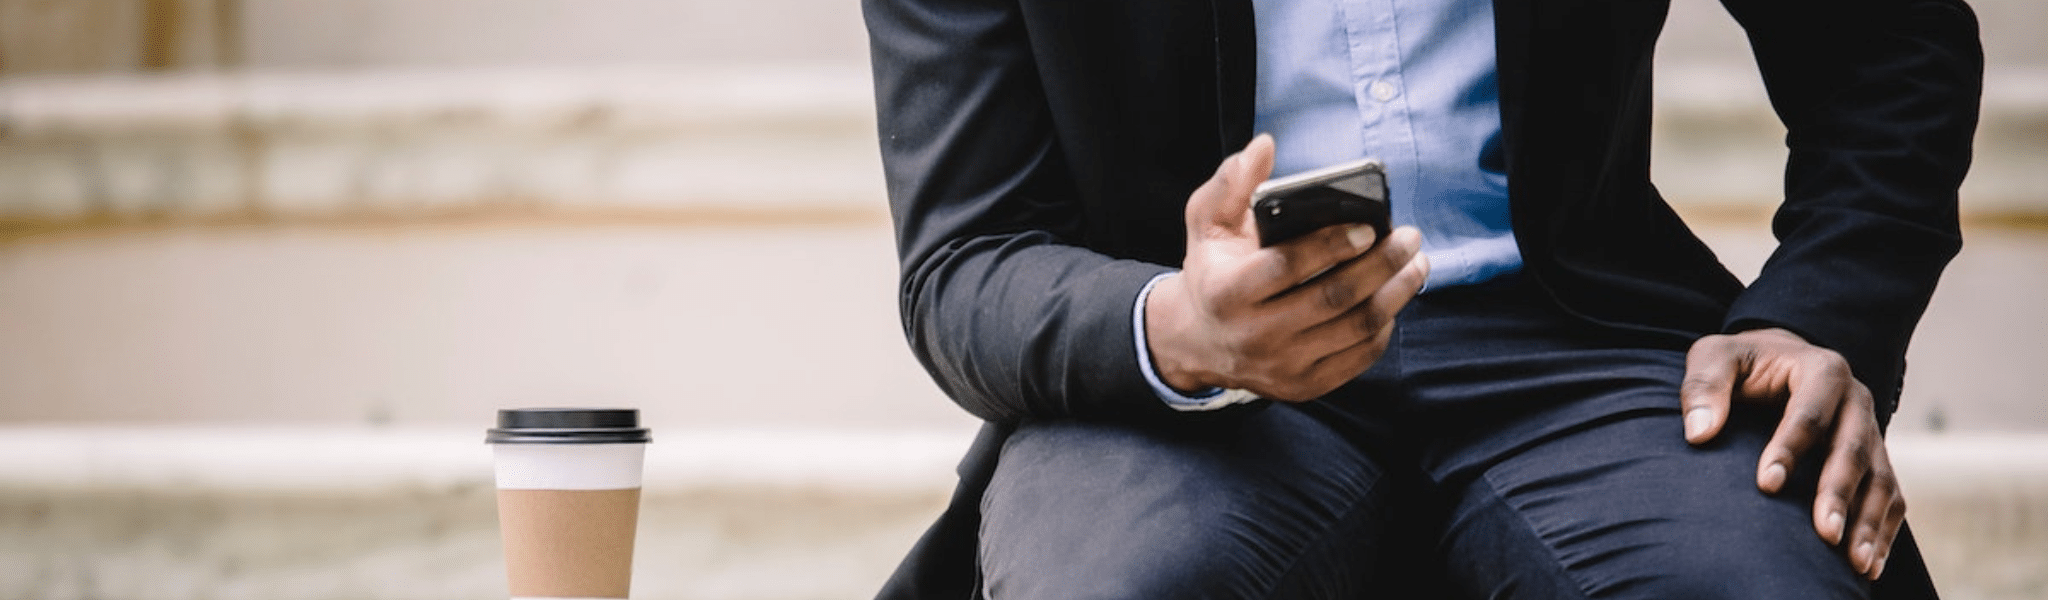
point(1039, 153)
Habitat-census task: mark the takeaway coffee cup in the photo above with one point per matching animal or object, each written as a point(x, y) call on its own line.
point(568, 499)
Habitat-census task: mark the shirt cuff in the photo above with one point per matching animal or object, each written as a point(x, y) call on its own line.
point(1206, 399)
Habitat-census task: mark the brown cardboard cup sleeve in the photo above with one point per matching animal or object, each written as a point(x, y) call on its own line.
point(568, 500)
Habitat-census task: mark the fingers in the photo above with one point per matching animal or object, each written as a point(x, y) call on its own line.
point(1847, 464)
point(1764, 364)
point(1367, 327)
point(1880, 508)
point(1368, 322)
point(1857, 505)
point(1319, 255)
point(1815, 398)
point(1377, 308)
point(1352, 303)
point(1327, 373)
point(1888, 529)
point(1221, 207)
point(1711, 368)
point(1326, 278)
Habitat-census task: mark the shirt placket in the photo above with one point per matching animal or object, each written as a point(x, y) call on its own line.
point(1373, 43)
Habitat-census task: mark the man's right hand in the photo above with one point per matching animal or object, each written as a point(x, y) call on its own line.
point(1291, 322)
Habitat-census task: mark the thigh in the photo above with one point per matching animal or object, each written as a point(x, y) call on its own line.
point(1622, 507)
point(1276, 503)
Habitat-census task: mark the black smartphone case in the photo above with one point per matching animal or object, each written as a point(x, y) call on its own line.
point(1285, 215)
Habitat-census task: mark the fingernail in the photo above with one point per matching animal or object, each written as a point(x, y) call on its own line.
point(1361, 236)
point(1697, 421)
point(1868, 552)
point(1773, 477)
point(1835, 523)
point(1879, 571)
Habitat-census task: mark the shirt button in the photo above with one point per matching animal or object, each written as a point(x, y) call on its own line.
point(1382, 91)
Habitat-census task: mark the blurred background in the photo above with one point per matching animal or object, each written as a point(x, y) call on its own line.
point(268, 266)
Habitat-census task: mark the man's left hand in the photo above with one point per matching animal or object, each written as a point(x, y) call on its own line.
point(1824, 404)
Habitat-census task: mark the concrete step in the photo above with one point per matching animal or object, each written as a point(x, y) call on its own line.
point(789, 137)
point(330, 514)
point(224, 513)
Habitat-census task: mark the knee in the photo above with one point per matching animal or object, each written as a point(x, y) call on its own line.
point(1086, 511)
point(1222, 559)
point(1116, 575)
point(1199, 546)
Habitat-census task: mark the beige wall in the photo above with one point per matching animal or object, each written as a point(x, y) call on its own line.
point(73, 36)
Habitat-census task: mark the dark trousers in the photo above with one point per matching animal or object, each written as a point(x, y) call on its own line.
point(1501, 449)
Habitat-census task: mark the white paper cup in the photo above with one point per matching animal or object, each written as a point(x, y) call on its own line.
point(568, 499)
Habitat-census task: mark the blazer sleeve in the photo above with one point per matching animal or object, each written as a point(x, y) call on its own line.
point(1880, 101)
point(1011, 315)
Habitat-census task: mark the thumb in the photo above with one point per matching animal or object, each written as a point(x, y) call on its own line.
point(1712, 367)
point(1222, 206)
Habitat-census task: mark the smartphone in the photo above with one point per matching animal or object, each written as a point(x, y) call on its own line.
point(1352, 192)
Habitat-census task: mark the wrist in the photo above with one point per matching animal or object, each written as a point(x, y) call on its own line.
point(1167, 334)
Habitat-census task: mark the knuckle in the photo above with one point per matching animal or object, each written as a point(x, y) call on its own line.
point(1828, 361)
point(1338, 239)
point(1856, 449)
point(1370, 326)
point(1697, 384)
point(1337, 294)
point(1392, 260)
point(1807, 421)
point(1710, 344)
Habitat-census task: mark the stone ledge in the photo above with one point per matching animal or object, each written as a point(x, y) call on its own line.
point(517, 99)
point(1979, 504)
point(313, 460)
point(673, 97)
point(320, 145)
point(242, 512)
point(116, 513)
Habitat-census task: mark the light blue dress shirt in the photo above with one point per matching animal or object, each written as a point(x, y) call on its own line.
point(1410, 82)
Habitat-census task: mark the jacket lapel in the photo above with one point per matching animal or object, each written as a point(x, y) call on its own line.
point(1511, 34)
point(1237, 63)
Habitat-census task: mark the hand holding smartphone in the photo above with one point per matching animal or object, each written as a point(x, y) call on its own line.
point(1352, 192)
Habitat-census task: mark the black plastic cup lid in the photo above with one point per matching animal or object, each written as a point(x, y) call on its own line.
point(568, 426)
